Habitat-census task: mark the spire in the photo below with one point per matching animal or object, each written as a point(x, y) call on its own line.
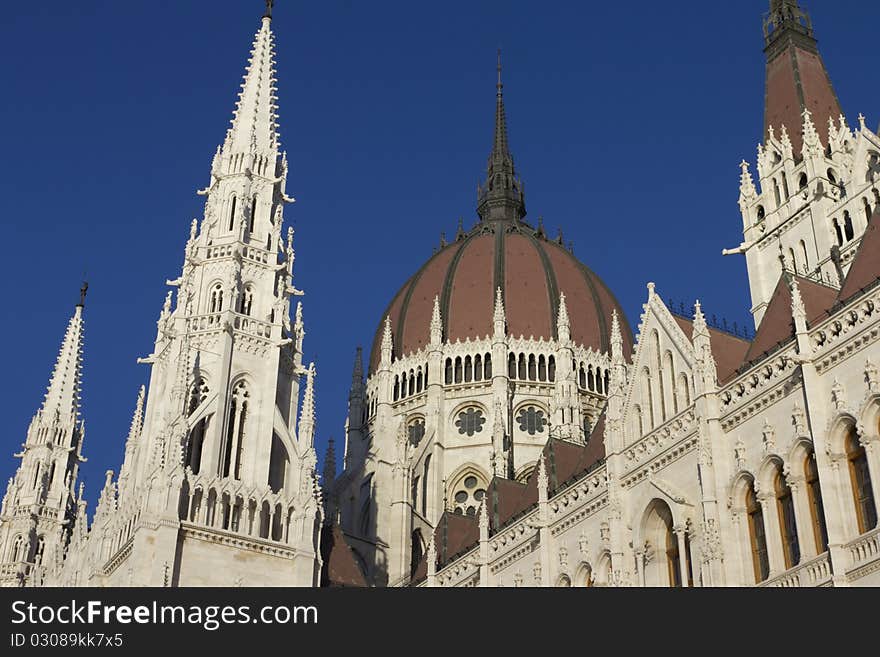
point(812, 144)
point(501, 197)
point(616, 339)
point(254, 124)
point(747, 190)
point(329, 474)
point(62, 395)
point(306, 429)
point(795, 72)
point(563, 324)
point(798, 310)
point(357, 371)
point(436, 323)
point(386, 343)
point(498, 318)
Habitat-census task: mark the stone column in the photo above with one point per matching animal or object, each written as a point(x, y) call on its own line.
point(640, 565)
point(772, 533)
point(802, 516)
point(680, 534)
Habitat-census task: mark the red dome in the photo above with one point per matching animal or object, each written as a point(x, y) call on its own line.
point(531, 272)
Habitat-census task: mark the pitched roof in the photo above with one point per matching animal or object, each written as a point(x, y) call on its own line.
point(777, 325)
point(865, 268)
point(339, 567)
point(727, 350)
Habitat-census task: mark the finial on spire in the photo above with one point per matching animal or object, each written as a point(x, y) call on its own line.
point(82, 294)
point(269, 5)
point(499, 86)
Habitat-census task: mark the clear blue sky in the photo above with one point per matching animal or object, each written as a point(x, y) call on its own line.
point(627, 121)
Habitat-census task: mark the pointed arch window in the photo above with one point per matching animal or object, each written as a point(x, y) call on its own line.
point(18, 549)
point(867, 210)
point(806, 258)
point(837, 231)
point(232, 448)
point(860, 479)
point(551, 369)
point(216, 298)
point(848, 230)
point(787, 526)
point(757, 536)
point(511, 366)
point(247, 301)
point(478, 368)
point(487, 367)
point(817, 510)
point(802, 181)
point(253, 218)
point(448, 371)
point(425, 473)
point(232, 212)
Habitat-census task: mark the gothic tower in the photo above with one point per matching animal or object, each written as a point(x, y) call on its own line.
point(40, 506)
point(218, 484)
point(817, 176)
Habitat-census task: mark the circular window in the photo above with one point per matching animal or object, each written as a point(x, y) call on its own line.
point(531, 420)
point(468, 496)
point(470, 421)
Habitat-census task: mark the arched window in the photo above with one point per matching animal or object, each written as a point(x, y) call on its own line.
point(776, 192)
point(416, 431)
point(757, 536)
point(533, 372)
point(396, 387)
point(18, 549)
point(648, 396)
point(657, 356)
point(817, 510)
point(838, 232)
point(582, 376)
point(785, 186)
point(787, 526)
point(684, 389)
point(831, 177)
point(805, 257)
point(468, 369)
point(198, 395)
point(416, 552)
point(232, 448)
point(412, 383)
point(232, 213)
point(448, 373)
point(511, 366)
point(760, 213)
point(478, 368)
point(467, 494)
point(366, 499)
point(278, 463)
point(425, 473)
point(860, 478)
point(551, 369)
point(217, 298)
point(487, 367)
point(802, 181)
point(591, 379)
point(458, 368)
point(542, 368)
point(419, 379)
point(638, 424)
point(848, 230)
point(521, 367)
point(792, 262)
point(253, 214)
point(664, 566)
point(247, 300)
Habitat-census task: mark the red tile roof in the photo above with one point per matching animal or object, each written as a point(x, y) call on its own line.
point(340, 567)
point(865, 268)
